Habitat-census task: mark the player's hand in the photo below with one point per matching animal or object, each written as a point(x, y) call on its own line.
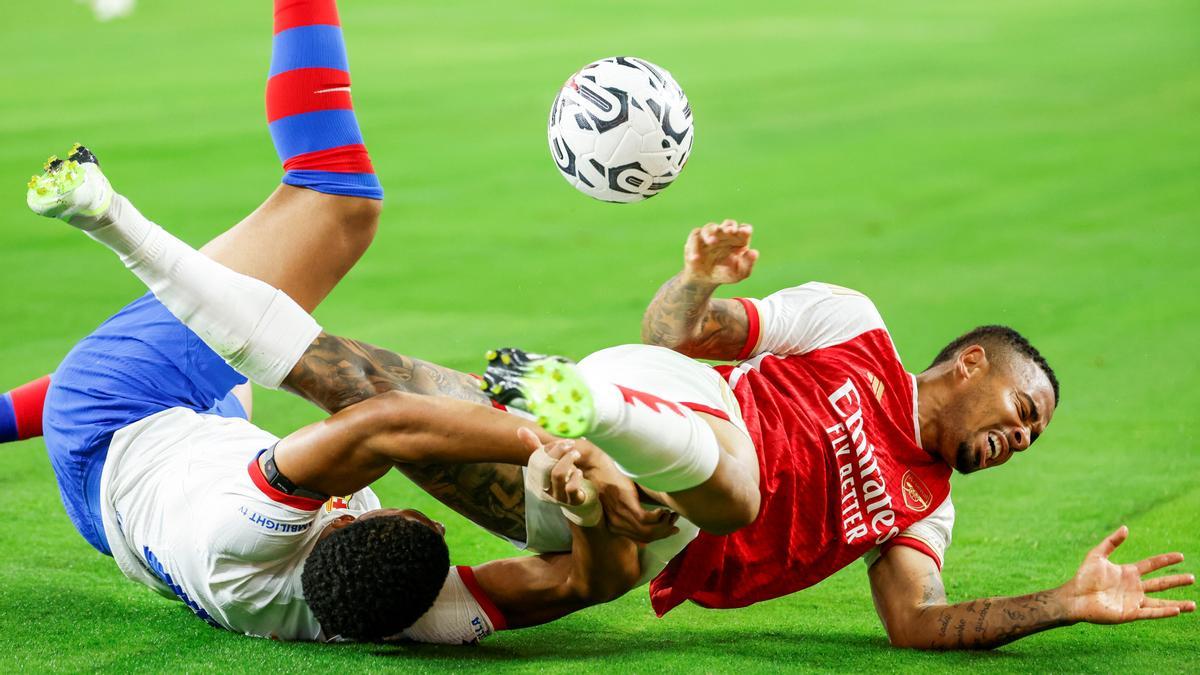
point(1105, 592)
point(719, 254)
point(623, 510)
point(566, 479)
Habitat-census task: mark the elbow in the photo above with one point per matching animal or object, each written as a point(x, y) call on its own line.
point(900, 639)
point(658, 337)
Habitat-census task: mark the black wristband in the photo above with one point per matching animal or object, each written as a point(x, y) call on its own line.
point(280, 482)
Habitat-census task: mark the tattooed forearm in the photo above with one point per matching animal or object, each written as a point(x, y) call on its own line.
point(684, 316)
point(337, 372)
point(978, 624)
point(489, 495)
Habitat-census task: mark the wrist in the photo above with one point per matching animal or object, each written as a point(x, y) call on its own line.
point(697, 281)
point(1066, 603)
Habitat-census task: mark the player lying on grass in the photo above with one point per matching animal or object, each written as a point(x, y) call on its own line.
point(844, 454)
point(159, 467)
point(359, 441)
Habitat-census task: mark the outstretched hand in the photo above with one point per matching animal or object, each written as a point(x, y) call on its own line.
point(1105, 592)
point(719, 254)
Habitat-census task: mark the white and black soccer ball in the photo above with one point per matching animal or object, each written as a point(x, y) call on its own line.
point(621, 129)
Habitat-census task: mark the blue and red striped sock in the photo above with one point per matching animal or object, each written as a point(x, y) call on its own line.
point(309, 110)
point(21, 410)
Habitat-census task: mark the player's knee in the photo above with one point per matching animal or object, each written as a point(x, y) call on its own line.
point(360, 220)
point(738, 512)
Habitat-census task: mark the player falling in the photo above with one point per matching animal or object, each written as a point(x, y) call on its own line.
point(148, 431)
point(801, 322)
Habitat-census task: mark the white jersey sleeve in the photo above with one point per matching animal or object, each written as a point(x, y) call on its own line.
point(806, 318)
point(273, 525)
point(461, 614)
point(930, 536)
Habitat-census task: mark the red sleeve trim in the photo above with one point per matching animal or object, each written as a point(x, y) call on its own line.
point(28, 401)
point(493, 612)
point(916, 544)
point(699, 407)
point(752, 333)
point(260, 481)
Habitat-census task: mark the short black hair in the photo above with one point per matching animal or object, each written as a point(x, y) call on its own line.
point(375, 577)
point(1003, 336)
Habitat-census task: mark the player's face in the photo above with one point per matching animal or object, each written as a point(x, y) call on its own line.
point(997, 415)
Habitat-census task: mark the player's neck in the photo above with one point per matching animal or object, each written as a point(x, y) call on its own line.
point(933, 392)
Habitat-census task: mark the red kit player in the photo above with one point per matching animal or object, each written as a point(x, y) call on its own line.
point(817, 448)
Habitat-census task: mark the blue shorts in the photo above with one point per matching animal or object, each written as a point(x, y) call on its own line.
point(140, 362)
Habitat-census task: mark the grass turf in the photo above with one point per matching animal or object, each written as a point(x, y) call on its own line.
point(1027, 162)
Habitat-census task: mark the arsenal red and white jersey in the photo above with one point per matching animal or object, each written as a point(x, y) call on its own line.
point(832, 413)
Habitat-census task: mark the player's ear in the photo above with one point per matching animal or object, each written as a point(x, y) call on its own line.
point(971, 362)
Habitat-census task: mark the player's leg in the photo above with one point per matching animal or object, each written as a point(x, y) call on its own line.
point(267, 336)
point(312, 230)
point(700, 464)
point(21, 410)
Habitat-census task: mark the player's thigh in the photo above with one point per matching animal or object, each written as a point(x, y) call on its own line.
point(300, 241)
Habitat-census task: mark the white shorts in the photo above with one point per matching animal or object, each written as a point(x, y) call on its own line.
point(663, 373)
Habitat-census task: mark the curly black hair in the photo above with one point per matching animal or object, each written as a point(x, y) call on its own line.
point(375, 577)
point(1002, 336)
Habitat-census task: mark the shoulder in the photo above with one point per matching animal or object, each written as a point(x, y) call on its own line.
point(810, 316)
point(462, 613)
point(931, 535)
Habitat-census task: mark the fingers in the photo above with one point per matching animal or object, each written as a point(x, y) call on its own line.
point(1166, 583)
point(1111, 542)
point(1181, 605)
point(728, 233)
point(565, 480)
point(558, 448)
point(643, 533)
point(1157, 562)
point(529, 438)
point(1156, 613)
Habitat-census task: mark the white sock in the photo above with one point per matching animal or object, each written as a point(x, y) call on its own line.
point(257, 329)
point(659, 444)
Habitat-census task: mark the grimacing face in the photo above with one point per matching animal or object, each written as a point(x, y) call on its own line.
point(1000, 408)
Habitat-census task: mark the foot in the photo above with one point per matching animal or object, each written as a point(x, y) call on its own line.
point(550, 387)
point(73, 189)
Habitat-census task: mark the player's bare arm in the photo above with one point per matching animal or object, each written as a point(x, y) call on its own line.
point(683, 314)
point(601, 566)
point(337, 372)
point(911, 600)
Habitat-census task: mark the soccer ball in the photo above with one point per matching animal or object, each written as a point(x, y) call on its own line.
point(621, 129)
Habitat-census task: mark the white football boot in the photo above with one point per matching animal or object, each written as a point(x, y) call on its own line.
point(74, 190)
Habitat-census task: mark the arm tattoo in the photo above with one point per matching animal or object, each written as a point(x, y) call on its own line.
point(683, 316)
point(489, 495)
point(1017, 618)
point(336, 372)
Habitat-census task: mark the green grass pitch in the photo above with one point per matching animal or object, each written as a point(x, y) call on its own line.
point(1033, 162)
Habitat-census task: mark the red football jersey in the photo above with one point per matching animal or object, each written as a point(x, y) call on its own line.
point(832, 412)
